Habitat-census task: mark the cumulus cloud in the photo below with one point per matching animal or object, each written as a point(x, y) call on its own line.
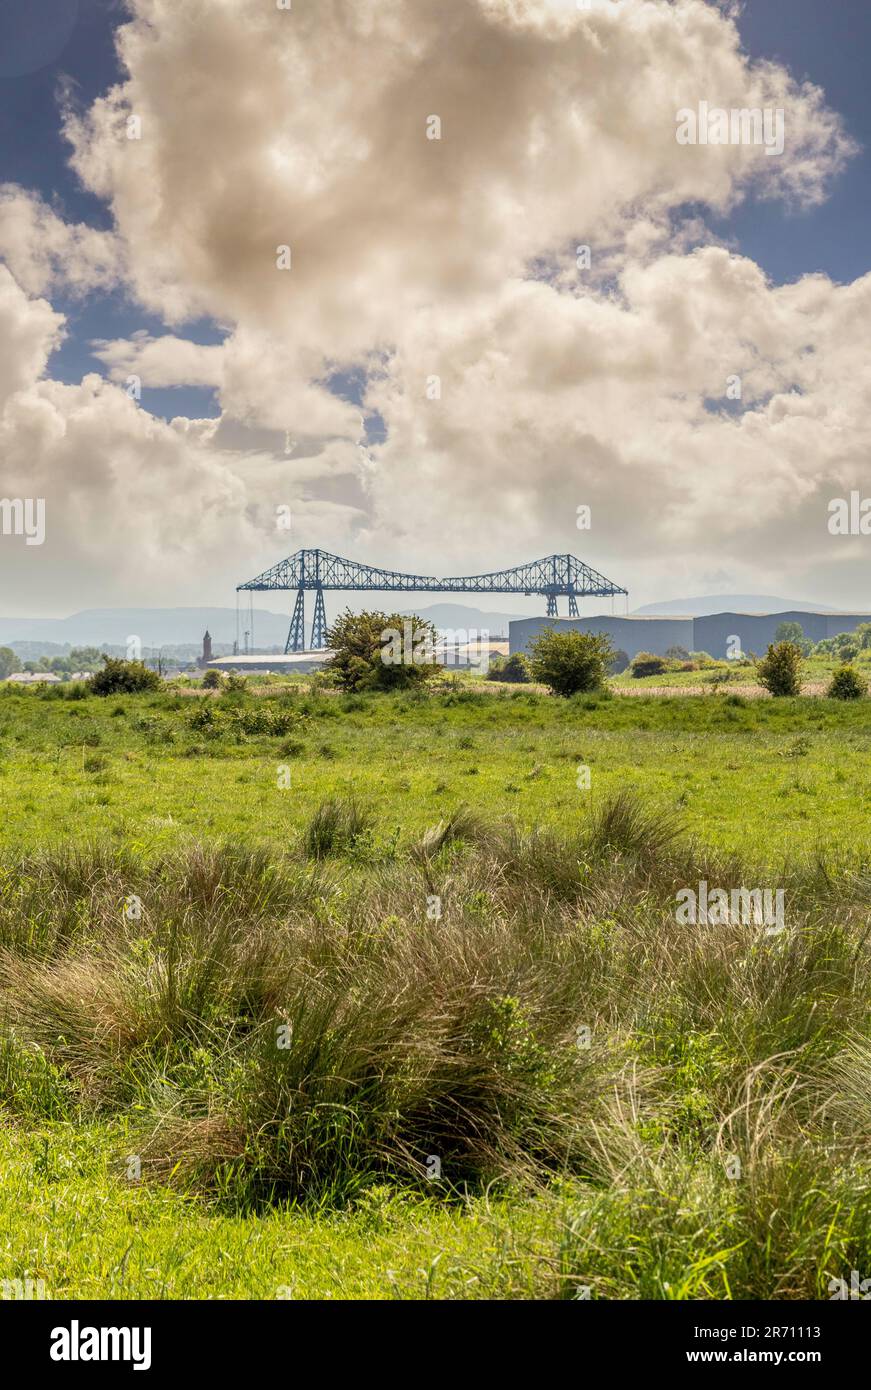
point(264, 380)
point(620, 403)
point(44, 252)
point(240, 129)
point(308, 127)
point(29, 333)
point(137, 510)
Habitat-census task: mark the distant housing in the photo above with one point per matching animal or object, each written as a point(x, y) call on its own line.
point(755, 631)
point(33, 678)
point(290, 663)
point(456, 655)
point(44, 677)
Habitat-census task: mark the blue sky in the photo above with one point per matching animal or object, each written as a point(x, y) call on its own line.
point(31, 29)
point(824, 41)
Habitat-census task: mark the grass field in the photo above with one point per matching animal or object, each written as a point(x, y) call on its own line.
point(146, 771)
point(264, 957)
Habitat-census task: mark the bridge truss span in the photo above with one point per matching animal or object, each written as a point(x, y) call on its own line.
point(553, 577)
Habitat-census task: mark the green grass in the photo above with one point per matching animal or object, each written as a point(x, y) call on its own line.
point(721, 674)
point(283, 1033)
point(783, 773)
point(68, 1220)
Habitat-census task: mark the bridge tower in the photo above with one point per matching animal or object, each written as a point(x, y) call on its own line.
point(296, 634)
point(308, 577)
point(319, 626)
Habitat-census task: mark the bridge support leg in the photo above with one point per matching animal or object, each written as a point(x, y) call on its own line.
point(573, 606)
point(319, 626)
point(296, 635)
point(552, 610)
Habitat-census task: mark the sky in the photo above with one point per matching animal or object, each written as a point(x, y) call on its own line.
point(325, 260)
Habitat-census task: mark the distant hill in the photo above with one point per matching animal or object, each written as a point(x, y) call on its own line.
point(728, 603)
point(155, 626)
point(458, 616)
point(175, 626)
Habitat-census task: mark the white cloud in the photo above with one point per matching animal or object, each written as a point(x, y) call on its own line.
point(307, 127)
point(44, 252)
point(453, 257)
point(137, 510)
point(29, 333)
point(549, 402)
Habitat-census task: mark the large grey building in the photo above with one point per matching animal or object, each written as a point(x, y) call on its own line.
point(714, 634)
point(630, 635)
point(756, 631)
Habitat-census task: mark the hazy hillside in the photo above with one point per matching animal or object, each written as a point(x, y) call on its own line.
point(728, 603)
point(154, 626)
point(457, 615)
point(158, 626)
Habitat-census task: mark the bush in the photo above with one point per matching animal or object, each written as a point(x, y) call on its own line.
point(381, 651)
point(212, 680)
point(794, 632)
point(619, 663)
point(847, 684)
point(844, 646)
point(570, 663)
point(779, 670)
point(514, 670)
point(8, 662)
point(646, 664)
point(123, 678)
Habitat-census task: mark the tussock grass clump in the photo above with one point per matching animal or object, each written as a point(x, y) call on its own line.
point(675, 1226)
point(521, 1006)
point(334, 827)
point(465, 826)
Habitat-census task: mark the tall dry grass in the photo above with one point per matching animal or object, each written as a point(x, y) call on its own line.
point(299, 1027)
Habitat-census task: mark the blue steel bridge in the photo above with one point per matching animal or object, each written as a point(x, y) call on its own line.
point(553, 577)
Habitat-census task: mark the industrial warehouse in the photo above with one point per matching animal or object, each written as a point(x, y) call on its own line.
point(715, 634)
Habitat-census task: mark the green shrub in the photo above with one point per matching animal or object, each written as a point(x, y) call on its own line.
point(267, 718)
point(794, 632)
point(514, 670)
point(646, 664)
point(123, 678)
point(8, 662)
point(845, 646)
point(212, 680)
point(847, 684)
point(779, 671)
point(381, 651)
point(572, 662)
